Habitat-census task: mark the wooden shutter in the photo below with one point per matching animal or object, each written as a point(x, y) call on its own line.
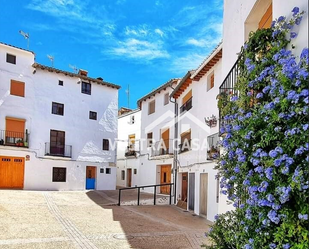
point(187, 97)
point(152, 107)
point(17, 88)
point(15, 128)
point(212, 81)
point(266, 20)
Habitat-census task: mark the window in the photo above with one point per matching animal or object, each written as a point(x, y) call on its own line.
point(86, 88)
point(149, 139)
point(135, 171)
point(151, 107)
point(132, 119)
point(186, 102)
point(108, 171)
point(101, 170)
point(57, 143)
point(59, 174)
point(210, 81)
point(122, 174)
point(105, 145)
point(93, 115)
point(15, 130)
point(11, 58)
point(60, 83)
point(17, 88)
point(166, 99)
point(57, 108)
point(266, 20)
point(185, 141)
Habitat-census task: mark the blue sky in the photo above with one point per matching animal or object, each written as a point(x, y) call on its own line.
point(143, 43)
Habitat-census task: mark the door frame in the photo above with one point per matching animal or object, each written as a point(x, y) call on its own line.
point(191, 195)
point(95, 175)
point(203, 192)
point(184, 188)
point(129, 178)
point(165, 189)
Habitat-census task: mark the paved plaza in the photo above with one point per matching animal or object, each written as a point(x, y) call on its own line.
point(90, 219)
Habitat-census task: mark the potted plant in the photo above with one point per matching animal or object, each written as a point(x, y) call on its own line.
point(212, 153)
point(20, 143)
point(25, 144)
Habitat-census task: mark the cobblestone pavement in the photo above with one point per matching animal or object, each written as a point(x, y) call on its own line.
point(86, 219)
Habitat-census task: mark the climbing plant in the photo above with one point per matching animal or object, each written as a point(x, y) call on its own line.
point(264, 170)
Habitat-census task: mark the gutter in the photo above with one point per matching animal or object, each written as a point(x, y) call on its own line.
point(175, 145)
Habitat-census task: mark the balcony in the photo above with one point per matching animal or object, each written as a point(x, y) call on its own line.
point(213, 150)
point(58, 150)
point(130, 151)
point(185, 145)
point(162, 147)
point(16, 139)
point(227, 88)
point(186, 106)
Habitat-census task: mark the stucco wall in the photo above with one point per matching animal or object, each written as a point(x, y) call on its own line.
point(83, 134)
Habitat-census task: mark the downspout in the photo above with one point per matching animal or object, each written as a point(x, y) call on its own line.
point(175, 146)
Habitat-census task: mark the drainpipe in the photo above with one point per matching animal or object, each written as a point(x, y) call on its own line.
point(175, 146)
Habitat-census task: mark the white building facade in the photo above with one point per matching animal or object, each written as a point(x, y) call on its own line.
point(198, 138)
point(128, 148)
point(57, 128)
point(157, 134)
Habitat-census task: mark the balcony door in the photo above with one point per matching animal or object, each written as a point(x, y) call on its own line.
point(57, 142)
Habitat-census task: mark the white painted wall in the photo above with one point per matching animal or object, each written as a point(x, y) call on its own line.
point(162, 118)
point(204, 104)
point(126, 128)
point(85, 135)
point(240, 17)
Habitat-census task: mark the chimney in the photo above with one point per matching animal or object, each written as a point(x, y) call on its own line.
point(100, 78)
point(83, 72)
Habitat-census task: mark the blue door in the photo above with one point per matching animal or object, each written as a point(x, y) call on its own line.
point(90, 177)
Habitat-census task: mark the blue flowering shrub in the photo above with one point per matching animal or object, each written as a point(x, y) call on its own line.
point(264, 170)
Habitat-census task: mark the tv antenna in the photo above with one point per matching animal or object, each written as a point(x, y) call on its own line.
point(75, 69)
point(51, 58)
point(128, 93)
point(26, 36)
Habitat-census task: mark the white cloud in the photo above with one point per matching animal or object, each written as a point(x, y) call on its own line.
point(159, 32)
point(198, 43)
point(138, 49)
point(186, 62)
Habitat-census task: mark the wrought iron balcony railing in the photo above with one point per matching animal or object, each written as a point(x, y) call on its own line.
point(61, 150)
point(131, 150)
point(13, 138)
point(185, 145)
point(213, 150)
point(227, 88)
point(162, 147)
point(186, 106)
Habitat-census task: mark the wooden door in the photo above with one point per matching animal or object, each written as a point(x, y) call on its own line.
point(165, 137)
point(184, 187)
point(129, 177)
point(203, 193)
point(90, 177)
point(12, 172)
point(191, 190)
point(57, 141)
point(165, 178)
